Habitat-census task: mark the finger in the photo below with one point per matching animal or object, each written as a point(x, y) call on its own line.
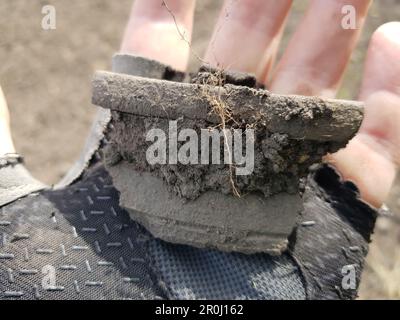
point(6, 143)
point(160, 30)
point(382, 65)
point(370, 160)
point(372, 157)
point(247, 34)
point(382, 73)
point(317, 54)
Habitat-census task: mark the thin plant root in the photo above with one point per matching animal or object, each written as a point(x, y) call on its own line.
point(222, 110)
point(219, 107)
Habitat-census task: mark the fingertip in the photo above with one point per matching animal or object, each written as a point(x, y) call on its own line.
point(247, 35)
point(382, 66)
point(318, 52)
point(4, 115)
point(6, 143)
point(160, 30)
point(389, 31)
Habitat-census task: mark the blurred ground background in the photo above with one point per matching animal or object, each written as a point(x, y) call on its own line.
point(46, 78)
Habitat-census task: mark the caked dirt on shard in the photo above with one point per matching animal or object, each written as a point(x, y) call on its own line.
point(204, 203)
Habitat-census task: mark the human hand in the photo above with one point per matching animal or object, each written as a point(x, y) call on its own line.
point(246, 39)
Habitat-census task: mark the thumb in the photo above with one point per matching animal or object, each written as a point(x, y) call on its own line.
point(372, 157)
point(6, 143)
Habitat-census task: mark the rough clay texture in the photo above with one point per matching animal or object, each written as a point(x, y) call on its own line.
point(291, 132)
point(279, 162)
point(194, 204)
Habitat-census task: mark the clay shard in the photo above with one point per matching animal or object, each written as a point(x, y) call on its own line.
point(194, 204)
point(249, 224)
point(300, 117)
